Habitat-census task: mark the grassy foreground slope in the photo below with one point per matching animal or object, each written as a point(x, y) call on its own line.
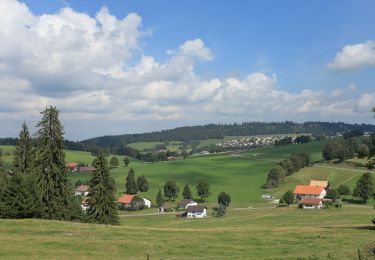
point(286, 233)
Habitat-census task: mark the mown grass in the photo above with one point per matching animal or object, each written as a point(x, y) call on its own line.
point(284, 233)
point(283, 152)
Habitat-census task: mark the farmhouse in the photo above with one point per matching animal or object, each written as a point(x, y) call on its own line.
point(311, 203)
point(82, 190)
point(72, 166)
point(125, 200)
point(196, 212)
point(323, 184)
point(85, 204)
point(86, 169)
point(185, 203)
point(171, 158)
point(307, 191)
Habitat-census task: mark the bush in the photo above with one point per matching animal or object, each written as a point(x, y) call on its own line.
point(344, 190)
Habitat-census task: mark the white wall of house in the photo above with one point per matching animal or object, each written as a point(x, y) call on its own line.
point(320, 196)
point(309, 206)
point(202, 214)
point(81, 193)
point(147, 203)
point(84, 207)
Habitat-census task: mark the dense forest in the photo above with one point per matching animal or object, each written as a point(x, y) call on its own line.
point(115, 143)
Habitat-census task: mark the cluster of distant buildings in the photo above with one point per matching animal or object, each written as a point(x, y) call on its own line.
point(250, 142)
point(74, 167)
point(193, 210)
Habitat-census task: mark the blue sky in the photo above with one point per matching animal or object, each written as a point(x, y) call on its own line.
point(201, 62)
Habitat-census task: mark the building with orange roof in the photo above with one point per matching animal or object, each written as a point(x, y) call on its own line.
point(73, 166)
point(311, 203)
point(307, 191)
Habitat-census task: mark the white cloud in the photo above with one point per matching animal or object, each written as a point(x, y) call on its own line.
point(86, 66)
point(354, 57)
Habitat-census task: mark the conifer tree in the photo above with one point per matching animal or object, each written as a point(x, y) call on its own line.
point(131, 186)
point(142, 183)
point(19, 198)
point(365, 187)
point(56, 194)
point(1, 162)
point(24, 154)
point(186, 193)
point(159, 199)
point(102, 208)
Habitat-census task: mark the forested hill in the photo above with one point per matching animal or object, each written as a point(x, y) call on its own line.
point(218, 131)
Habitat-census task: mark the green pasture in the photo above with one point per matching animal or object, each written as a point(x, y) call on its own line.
point(284, 151)
point(276, 233)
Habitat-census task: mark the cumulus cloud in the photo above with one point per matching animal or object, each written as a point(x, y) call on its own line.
point(354, 57)
point(87, 67)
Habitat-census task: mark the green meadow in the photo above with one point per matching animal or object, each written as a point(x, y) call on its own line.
point(277, 233)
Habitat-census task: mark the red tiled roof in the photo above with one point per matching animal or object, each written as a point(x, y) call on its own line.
point(82, 188)
point(125, 199)
point(72, 164)
point(196, 208)
point(86, 169)
point(306, 189)
point(312, 201)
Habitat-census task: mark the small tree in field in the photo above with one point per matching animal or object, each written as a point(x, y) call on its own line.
point(333, 194)
point(159, 199)
point(126, 161)
point(365, 187)
point(343, 190)
point(142, 183)
point(288, 197)
point(171, 190)
point(186, 193)
point(223, 199)
point(203, 189)
point(114, 162)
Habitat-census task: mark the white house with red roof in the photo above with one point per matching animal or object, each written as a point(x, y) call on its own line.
point(126, 200)
point(307, 191)
point(82, 190)
point(196, 212)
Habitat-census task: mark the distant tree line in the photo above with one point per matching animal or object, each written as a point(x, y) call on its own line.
point(348, 148)
point(287, 167)
point(289, 140)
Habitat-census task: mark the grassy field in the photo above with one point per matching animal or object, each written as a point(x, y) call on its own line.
point(282, 152)
point(239, 177)
point(283, 233)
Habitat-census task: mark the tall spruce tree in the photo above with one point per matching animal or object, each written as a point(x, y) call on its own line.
point(131, 186)
point(102, 208)
point(186, 193)
point(24, 155)
point(56, 194)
